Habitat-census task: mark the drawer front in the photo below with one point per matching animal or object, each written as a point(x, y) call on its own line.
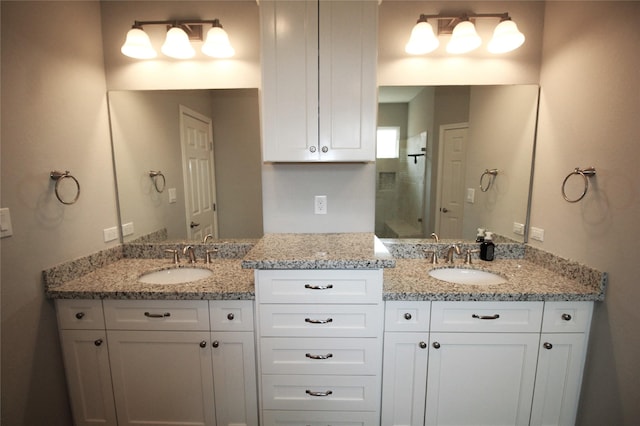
point(80, 314)
point(337, 393)
point(321, 320)
point(307, 355)
point(486, 316)
point(319, 286)
point(231, 315)
point(320, 418)
point(156, 314)
point(567, 317)
point(407, 316)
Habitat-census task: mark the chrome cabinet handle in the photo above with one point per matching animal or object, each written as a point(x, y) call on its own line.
point(325, 149)
point(486, 317)
point(327, 356)
point(566, 317)
point(312, 149)
point(164, 315)
point(547, 345)
point(98, 342)
point(436, 345)
point(230, 317)
point(215, 344)
point(203, 344)
point(423, 345)
point(318, 287)
point(312, 393)
point(80, 315)
point(316, 321)
point(407, 316)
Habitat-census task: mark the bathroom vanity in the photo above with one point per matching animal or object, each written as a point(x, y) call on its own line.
point(316, 329)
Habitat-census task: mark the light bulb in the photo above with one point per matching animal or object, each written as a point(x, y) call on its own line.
point(137, 45)
point(464, 38)
point(217, 44)
point(177, 44)
point(422, 40)
point(506, 37)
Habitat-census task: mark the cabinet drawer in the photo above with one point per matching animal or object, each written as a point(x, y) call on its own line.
point(338, 393)
point(319, 286)
point(407, 316)
point(319, 418)
point(566, 317)
point(321, 320)
point(486, 316)
point(320, 356)
point(156, 314)
point(231, 315)
point(79, 314)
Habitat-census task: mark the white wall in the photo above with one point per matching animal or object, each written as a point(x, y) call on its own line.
point(589, 111)
point(54, 116)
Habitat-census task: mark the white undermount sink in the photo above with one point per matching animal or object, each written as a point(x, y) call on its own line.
point(466, 276)
point(175, 275)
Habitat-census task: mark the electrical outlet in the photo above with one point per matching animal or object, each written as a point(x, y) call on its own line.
point(110, 234)
point(127, 229)
point(537, 233)
point(320, 204)
point(518, 228)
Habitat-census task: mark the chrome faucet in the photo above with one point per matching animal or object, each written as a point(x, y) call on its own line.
point(174, 253)
point(206, 238)
point(435, 237)
point(453, 248)
point(191, 252)
point(467, 255)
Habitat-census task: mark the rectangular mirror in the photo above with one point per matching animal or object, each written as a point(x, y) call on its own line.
point(458, 158)
point(187, 163)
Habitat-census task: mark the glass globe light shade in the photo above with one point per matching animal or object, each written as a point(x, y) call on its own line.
point(177, 44)
point(464, 38)
point(506, 37)
point(137, 45)
point(217, 44)
point(423, 39)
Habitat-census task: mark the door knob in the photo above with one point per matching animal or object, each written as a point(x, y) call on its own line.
point(193, 224)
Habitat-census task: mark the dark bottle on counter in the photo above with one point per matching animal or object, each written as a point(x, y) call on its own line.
point(487, 248)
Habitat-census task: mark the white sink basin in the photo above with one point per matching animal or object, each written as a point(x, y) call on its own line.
point(175, 276)
point(466, 276)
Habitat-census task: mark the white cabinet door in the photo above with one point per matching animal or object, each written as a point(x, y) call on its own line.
point(86, 361)
point(404, 380)
point(234, 378)
point(162, 377)
point(481, 378)
point(319, 95)
point(558, 379)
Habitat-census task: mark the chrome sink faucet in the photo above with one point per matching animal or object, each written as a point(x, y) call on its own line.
point(175, 255)
point(206, 238)
point(189, 250)
point(453, 248)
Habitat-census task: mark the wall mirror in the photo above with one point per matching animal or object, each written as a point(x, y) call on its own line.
point(454, 159)
point(187, 163)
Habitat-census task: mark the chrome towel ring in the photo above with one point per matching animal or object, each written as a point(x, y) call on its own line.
point(154, 177)
point(61, 176)
point(586, 174)
point(492, 176)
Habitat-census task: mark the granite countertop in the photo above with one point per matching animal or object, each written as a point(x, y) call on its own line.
point(319, 251)
point(119, 280)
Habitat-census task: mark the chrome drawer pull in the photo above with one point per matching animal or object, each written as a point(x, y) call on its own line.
point(318, 287)
point(566, 317)
point(486, 317)
point(312, 393)
point(149, 315)
point(327, 356)
point(80, 315)
point(315, 321)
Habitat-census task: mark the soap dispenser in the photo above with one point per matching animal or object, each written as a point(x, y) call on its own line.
point(487, 247)
point(480, 235)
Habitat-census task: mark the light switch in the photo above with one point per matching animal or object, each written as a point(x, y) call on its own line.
point(6, 230)
point(471, 195)
point(173, 195)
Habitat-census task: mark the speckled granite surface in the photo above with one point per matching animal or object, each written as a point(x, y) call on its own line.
point(319, 251)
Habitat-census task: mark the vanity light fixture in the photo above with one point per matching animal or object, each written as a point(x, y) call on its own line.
point(464, 38)
point(177, 43)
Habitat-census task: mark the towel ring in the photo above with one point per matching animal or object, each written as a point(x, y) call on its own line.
point(59, 177)
point(154, 177)
point(586, 174)
point(492, 175)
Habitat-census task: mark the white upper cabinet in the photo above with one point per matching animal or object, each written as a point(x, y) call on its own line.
point(319, 80)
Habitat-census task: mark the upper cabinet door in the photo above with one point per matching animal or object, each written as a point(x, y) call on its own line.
point(319, 80)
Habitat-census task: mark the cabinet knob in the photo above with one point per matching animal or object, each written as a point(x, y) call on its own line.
point(215, 344)
point(98, 342)
point(203, 344)
point(230, 317)
point(325, 149)
point(436, 345)
point(422, 345)
point(80, 315)
point(547, 345)
point(407, 316)
point(566, 317)
point(312, 148)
